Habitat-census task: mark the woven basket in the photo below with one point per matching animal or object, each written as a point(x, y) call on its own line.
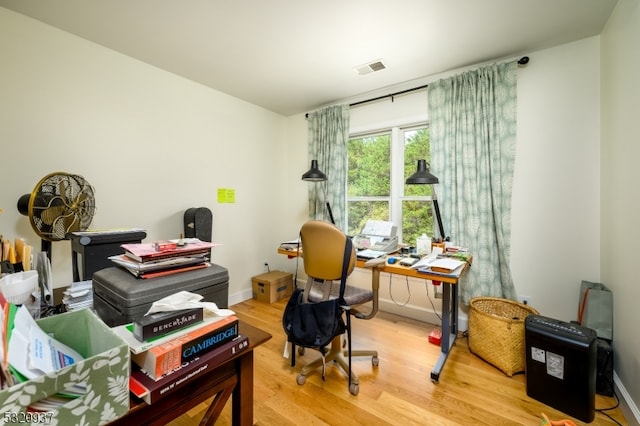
point(496, 332)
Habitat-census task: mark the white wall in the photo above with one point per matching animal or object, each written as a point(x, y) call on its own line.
point(151, 143)
point(556, 197)
point(620, 202)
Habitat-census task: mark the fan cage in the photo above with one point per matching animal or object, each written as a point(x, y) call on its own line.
point(59, 204)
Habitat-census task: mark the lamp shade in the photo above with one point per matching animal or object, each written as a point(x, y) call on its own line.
point(314, 174)
point(422, 175)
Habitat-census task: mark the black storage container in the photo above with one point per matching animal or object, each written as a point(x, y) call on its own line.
point(561, 365)
point(90, 251)
point(120, 298)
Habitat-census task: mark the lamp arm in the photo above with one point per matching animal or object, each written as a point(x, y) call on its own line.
point(436, 207)
point(326, 198)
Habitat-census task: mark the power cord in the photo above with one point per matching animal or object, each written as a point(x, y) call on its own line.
point(408, 291)
point(617, 404)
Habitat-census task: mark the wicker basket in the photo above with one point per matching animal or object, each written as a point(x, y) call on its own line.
point(496, 332)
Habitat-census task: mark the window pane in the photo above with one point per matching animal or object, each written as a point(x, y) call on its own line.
point(361, 211)
point(416, 147)
point(369, 169)
point(417, 219)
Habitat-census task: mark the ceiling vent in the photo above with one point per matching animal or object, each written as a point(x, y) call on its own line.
point(370, 67)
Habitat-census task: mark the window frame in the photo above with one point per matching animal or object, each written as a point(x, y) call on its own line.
point(396, 196)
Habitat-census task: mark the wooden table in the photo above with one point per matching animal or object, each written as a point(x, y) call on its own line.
point(449, 302)
point(232, 378)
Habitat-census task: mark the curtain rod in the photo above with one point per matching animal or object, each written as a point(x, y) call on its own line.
point(522, 61)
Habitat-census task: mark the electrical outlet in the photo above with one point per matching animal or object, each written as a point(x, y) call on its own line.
point(525, 299)
point(265, 268)
point(437, 292)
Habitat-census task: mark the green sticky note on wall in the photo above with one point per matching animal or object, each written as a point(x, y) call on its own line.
point(226, 195)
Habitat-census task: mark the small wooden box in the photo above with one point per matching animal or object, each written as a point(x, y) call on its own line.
point(272, 286)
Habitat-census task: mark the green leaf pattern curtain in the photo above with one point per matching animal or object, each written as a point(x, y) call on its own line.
point(472, 120)
point(328, 135)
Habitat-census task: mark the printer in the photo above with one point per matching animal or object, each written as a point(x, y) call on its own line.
point(377, 235)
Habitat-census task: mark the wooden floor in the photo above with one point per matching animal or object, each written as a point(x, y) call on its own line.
point(398, 392)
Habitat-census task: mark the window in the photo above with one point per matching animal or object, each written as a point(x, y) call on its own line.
point(378, 165)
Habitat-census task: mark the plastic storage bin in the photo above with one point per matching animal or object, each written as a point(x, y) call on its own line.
point(105, 371)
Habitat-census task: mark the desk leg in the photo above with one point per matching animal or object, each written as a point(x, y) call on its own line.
point(242, 400)
point(449, 327)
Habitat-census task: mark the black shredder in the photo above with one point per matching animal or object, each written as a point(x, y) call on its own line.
point(561, 365)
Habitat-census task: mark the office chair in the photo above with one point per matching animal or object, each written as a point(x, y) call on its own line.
point(323, 247)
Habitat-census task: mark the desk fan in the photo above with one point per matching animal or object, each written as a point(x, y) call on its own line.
point(59, 204)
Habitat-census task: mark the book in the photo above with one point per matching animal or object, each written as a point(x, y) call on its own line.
point(446, 265)
point(145, 387)
point(161, 323)
point(145, 252)
point(141, 268)
point(125, 332)
point(176, 270)
point(164, 358)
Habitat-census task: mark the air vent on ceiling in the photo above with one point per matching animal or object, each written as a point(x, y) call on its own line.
point(370, 67)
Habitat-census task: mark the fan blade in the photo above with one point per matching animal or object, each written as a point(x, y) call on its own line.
point(63, 192)
point(63, 225)
point(50, 214)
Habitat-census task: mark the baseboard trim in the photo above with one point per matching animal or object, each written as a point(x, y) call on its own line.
point(628, 407)
point(408, 310)
point(421, 313)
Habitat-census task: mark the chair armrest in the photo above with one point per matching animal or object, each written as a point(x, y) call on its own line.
point(375, 265)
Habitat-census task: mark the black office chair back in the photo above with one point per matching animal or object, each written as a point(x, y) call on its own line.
point(323, 247)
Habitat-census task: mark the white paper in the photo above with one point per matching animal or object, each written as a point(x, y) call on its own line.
point(428, 260)
point(43, 353)
point(377, 227)
point(447, 263)
point(370, 254)
point(186, 300)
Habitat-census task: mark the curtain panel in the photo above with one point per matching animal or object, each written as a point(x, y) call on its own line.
point(328, 135)
point(472, 120)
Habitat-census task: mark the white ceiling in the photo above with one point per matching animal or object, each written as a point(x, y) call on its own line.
point(293, 56)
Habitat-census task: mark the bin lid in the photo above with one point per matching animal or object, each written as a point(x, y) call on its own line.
point(123, 289)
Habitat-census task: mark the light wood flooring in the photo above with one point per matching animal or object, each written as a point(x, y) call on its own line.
point(397, 392)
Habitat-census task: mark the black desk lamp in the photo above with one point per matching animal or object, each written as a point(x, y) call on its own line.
point(315, 175)
point(422, 176)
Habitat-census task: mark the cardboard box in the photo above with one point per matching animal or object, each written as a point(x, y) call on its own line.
point(272, 286)
point(105, 371)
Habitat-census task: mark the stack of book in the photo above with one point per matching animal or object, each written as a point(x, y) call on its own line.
point(169, 350)
point(149, 260)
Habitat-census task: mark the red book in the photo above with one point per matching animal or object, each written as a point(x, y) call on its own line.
point(150, 390)
point(144, 252)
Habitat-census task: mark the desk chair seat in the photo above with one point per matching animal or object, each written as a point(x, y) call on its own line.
point(323, 250)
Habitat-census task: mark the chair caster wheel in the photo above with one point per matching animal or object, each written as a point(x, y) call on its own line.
point(300, 350)
point(375, 361)
point(301, 379)
point(354, 389)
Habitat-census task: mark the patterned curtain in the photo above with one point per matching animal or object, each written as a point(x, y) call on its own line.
point(328, 136)
point(473, 144)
